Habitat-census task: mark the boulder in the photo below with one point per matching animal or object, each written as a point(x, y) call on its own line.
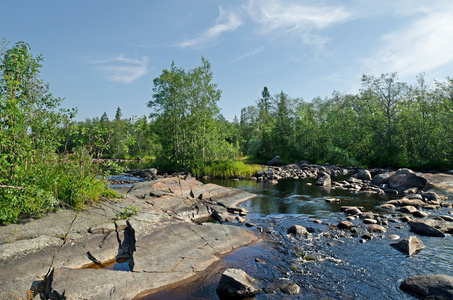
point(288, 287)
point(344, 225)
point(406, 178)
point(380, 179)
point(298, 231)
point(236, 283)
point(431, 196)
point(364, 175)
point(429, 286)
point(409, 245)
point(408, 209)
point(425, 227)
point(324, 180)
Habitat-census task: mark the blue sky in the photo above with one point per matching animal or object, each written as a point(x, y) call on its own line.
point(104, 54)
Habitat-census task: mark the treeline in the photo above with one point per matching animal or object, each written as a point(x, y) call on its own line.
point(388, 123)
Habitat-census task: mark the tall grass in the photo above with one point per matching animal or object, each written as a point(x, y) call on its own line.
point(225, 169)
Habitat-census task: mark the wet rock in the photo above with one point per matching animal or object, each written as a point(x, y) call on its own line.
point(388, 206)
point(288, 287)
point(324, 180)
point(298, 231)
point(406, 178)
point(429, 286)
point(369, 221)
point(352, 211)
point(431, 196)
point(258, 260)
point(405, 219)
point(380, 179)
point(364, 175)
point(391, 191)
point(431, 227)
point(250, 224)
point(272, 181)
point(409, 245)
point(333, 200)
point(408, 209)
point(367, 237)
point(445, 218)
point(376, 228)
point(240, 219)
point(420, 214)
point(394, 237)
point(344, 225)
point(237, 283)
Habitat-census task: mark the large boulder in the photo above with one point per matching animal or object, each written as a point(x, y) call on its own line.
point(406, 178)
point(364, 175)
point(236, 283)
point(429, 286)
point(380, 179)
point(409, 246)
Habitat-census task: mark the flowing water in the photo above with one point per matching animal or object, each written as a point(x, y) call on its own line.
point(331, 264)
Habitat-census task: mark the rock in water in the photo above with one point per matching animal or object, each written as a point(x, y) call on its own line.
point(235, 283)
point(409, 246)
point(429, 286)
point(324, 180)
point(298, 231)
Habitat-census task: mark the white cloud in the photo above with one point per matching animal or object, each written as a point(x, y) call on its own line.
point(121, 69)
point(423, 45)
point(294, 19)
point(227, 21)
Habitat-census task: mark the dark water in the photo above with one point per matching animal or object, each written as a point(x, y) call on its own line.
point(330, 264)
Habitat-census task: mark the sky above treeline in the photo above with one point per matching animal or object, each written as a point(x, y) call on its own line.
point(104, 54)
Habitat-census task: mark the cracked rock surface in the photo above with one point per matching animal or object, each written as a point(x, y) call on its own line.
point(159, 239)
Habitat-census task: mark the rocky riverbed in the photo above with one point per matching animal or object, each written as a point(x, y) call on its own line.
point(152, 236)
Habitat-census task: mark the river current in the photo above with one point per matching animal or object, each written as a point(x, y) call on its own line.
point(329, 265)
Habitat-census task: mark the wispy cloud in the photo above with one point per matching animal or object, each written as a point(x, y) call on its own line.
point(422, 46)
point(226, 22)
point(249, 54)
point(121, 69)
point(294, 19)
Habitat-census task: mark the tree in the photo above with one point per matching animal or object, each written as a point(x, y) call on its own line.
point(389, 94)
point(185, 111)
point(282, 131)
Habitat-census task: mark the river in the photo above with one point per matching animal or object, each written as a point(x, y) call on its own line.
point(331, 264)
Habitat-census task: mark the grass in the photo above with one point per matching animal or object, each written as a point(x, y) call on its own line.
point(225, 169)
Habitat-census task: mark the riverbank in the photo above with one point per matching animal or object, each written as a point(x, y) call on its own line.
point(151, 232)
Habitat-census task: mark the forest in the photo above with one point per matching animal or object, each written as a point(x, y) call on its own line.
point(48, 159)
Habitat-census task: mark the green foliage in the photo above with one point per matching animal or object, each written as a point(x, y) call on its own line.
point(33, 177)
point(225, 169)
point(187, 117)
point(128, 212)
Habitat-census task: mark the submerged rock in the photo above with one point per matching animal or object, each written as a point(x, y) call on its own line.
point(237, 283)
point(409, 246)
point(429, 286)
